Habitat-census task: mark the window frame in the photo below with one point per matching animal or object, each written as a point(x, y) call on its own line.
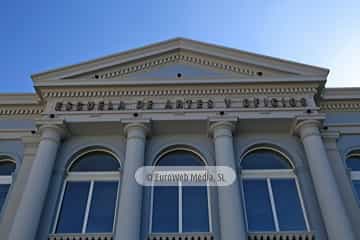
point(180, 206)
point(90, 177)
point(268, 174)
point(7, 179)
point(354, 174)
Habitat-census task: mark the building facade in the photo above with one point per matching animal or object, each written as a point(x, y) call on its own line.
point(70, 151)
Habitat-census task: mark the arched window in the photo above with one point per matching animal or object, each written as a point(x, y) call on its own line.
point(7, 167)
point(89, 195)
point(271, 193)
point(180, 208)
point(353, 163)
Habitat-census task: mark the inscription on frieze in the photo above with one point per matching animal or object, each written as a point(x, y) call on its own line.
point(174, 104)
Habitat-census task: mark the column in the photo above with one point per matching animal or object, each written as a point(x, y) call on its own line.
point(232, 225)
point(32, 201)
point(129, 211)
point(341, 175)
point(31, 144)
point(332, 208)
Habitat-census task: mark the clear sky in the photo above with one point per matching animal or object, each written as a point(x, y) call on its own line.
point(39, 35)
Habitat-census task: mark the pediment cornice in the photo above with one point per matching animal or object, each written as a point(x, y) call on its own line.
point(184, 50)
point(177, 57)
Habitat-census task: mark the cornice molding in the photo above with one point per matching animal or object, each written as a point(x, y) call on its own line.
point(21, 111)
point(340, 106)
point(19, 98)
point(172, 91)
point(179, 57)
point(16, 133)
point(340, 100)
point(349, 93)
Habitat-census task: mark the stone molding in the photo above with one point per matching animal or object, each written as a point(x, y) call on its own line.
point(178, 57)
point(180, 236)
point(35, 111)
point(173, 91)
point(86, 236)
point(340, 106)
point(282, 236)
point(21, 111)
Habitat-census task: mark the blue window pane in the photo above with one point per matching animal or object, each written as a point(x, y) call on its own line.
point(102, 208)
point(195, 209)
point(180, 158)
point(356, 184)
point(7, 168)
point(73, 207)
point(4, 188)
point(96, 161)
point(258, 206)
point(287, 204)
point(265, 159)
point(165, 209)
point(353, 163)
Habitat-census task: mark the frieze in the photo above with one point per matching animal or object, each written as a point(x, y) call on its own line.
point(184, 104)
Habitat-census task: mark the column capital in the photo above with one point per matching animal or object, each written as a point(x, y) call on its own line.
point(137, 129)
point(306, 128)
point(54, 130)
point(30, 145)
point(221, 128)
point(306, 120)
point(330, 139)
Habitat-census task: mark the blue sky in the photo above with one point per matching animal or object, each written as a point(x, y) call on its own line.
point(40, 35)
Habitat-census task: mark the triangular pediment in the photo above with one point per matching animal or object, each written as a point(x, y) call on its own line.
point(179, 60)
point(181, 65)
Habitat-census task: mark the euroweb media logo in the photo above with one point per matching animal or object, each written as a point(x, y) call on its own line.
point(186, 175)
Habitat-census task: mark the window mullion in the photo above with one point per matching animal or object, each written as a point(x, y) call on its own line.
point(273, 205)
point(88, 203)
point(59, 206)
point(302, 204)
point(152, 206)
point(209, 206)
point(180, 206)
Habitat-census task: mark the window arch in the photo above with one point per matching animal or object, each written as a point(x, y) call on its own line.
point(271, 193)
point(89, 196)
point(180, 208)
point(353, 163)
point(7, 168)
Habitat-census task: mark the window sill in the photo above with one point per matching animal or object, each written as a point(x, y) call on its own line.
point(281, 236)
point(180, 236)
point(81, 236)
